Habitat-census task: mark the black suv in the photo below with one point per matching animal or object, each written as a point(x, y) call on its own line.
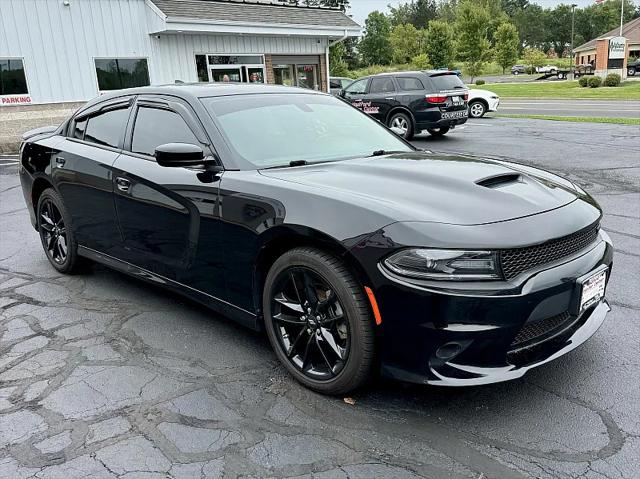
point(410, 102)
point(633, 67)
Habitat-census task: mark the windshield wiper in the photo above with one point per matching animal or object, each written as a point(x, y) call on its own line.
point(386, 152)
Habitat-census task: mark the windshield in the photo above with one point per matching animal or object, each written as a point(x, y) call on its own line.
point(271, 130)
point(447, 81)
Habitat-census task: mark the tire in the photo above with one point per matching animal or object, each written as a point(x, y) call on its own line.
point(516, 72)
point(631, 72)
point(405, 120)
point(438, 131)
point(304, 266)
point(56, 234)
point(477, 109)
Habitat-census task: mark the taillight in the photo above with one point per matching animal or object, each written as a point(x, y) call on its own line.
point(437, 99)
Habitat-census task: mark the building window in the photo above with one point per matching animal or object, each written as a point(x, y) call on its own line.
point(230, 68)
point(118, 73)
point(12, 78)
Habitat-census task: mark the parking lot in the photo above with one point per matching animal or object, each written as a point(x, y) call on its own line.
point(104, 376)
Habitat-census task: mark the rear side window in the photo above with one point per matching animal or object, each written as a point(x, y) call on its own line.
point(409, 83)
point(155, 127)
point(105, 128)
point(381, 85)
point(447, 81)
point(334, 83)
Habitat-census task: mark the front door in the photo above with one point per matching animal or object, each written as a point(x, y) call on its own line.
point(168, 215)
point(381, 97)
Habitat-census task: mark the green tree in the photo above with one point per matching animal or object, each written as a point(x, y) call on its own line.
point(416, 12)
point(375, 46)
point(405, 42)
point(559, 28)
point(532, 26)
point(534, 57)
point(337, 64)
point(439, 43)
point(473, 47)
point(506, 45)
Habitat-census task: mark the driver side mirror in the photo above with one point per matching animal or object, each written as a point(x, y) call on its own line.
point(179, 154)
point(342, 93)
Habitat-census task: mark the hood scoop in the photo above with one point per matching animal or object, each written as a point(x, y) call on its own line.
point(498, 181)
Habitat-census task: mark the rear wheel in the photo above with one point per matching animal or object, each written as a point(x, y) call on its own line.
point(56, 234)
point(438, 131)
point(477, 109)
point(402, 122)
point(631, 71)
point(318, 321)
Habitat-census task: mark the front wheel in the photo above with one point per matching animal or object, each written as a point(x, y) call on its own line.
point(516, 72)
point(403, 123)
point(438, 131)
point(318, 321)
point(631, 71)
point(477, 109)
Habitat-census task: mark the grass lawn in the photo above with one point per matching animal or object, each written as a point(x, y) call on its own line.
point(629, 90)
point(579, 119)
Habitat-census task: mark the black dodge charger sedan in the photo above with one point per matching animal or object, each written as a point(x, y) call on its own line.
point(293, 212)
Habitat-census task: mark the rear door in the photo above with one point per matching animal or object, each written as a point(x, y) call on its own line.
point(166, 214)
point(83, 171)
point(380, 97)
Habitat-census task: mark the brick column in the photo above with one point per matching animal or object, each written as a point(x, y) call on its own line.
point(324, 81)
point(268, 65)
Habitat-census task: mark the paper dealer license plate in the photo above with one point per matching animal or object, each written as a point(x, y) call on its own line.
point(593, 289)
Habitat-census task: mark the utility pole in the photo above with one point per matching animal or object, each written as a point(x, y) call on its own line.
point(573, 25)
point(621, 15)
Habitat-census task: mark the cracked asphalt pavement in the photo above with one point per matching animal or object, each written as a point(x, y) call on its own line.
point(103, 376)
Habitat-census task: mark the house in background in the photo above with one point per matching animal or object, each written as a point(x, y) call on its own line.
point(55, 54)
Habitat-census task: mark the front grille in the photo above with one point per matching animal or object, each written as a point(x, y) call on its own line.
point(518, 260)
point(539, 329)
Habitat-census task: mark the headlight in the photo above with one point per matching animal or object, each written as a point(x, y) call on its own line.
point(442, 264)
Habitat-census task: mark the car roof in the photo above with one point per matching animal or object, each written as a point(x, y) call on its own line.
point(204, 90)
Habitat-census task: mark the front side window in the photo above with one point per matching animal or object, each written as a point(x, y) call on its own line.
point(12, 77)
point(105, 128)
point(155, 127)
point(358, 87)
point(274, 129)
point(118, 73)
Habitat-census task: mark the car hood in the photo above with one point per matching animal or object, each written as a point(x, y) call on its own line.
point(420, 186)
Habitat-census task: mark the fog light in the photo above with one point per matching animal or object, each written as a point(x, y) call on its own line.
point(448, 350)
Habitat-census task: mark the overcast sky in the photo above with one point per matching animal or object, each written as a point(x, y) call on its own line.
point(361, 8)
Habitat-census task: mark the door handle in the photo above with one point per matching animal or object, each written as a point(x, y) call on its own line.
point(60, 161)
point(123, 184)
point(390, 98)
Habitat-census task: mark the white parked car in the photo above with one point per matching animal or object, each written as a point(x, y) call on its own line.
point(482, 101)
point(547, 69)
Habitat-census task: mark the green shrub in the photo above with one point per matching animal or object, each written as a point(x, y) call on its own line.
point(480, 82)
point(583, 81)
point(612, 79)
point(421, 62)
point(595, 82)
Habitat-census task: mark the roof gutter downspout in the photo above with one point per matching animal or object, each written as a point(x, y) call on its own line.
point(326, 53)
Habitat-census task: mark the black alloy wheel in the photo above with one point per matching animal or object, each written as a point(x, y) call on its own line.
point(55, 233)
point(318, 321)
point(438, 131)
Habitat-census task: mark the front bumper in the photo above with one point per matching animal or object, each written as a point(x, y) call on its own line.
point(463, 338)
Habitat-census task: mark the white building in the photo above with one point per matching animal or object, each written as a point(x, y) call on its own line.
point(54, 51)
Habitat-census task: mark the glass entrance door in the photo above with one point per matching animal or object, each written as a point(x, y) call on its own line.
point(307, 76)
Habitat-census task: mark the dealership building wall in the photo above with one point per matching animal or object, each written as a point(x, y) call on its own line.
point(60, 45)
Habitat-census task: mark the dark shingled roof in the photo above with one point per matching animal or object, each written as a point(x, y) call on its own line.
point(254, 12)
point(630, 30)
